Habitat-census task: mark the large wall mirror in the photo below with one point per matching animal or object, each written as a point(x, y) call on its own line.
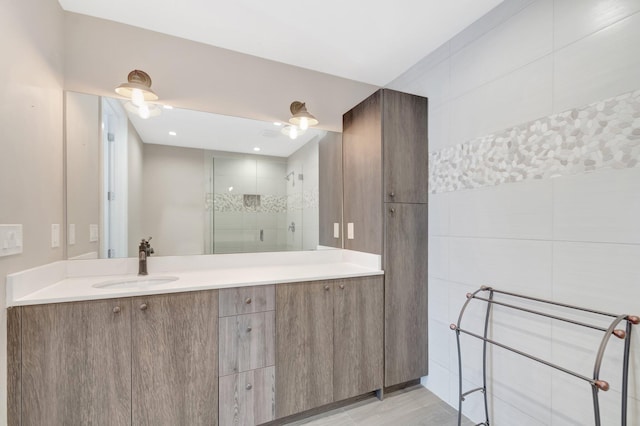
point(197, 183)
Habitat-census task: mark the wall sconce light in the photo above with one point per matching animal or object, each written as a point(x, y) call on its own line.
point(301, 117)
point(138, 90)
point(292, 131)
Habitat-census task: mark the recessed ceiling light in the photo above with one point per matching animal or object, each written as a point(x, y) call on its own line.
point(256, 149)
point(167, 107)
point(277, 123)
point(172, 133)
point(230, 188)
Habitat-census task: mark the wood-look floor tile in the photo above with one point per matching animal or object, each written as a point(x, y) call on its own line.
point(414, 406)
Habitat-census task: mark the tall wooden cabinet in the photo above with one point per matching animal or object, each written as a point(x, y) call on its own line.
point(385, 158)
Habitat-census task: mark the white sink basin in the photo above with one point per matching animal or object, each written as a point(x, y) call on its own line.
point(135, 283)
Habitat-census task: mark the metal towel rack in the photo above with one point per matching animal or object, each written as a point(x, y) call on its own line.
point(596, 383)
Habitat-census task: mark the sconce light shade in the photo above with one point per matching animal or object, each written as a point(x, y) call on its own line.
point(301, 117)
point(137, 88)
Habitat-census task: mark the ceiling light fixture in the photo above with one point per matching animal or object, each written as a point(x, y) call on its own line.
point(301, 117)
point(256, 149)
point(172, 133)
point(138, 90)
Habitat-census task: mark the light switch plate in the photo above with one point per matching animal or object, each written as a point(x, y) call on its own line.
point(55, 235)
point(336, 230)
point(93, 233)
point(72, 234)
point(350, 231)
point(10, 240)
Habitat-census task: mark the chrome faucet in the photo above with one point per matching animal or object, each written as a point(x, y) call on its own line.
point(144, 250)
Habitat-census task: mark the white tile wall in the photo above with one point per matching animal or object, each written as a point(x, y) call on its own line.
point(440, 126)
point(524, 38)
point(517, 97)
point(599, 66)
point(602, 206)
point(575, 19)
point(439, 302)
point(438, 214)
point(439, 337)
point(603, 276)
point(573, 239)
point(519, 210)
point(515, 265)
point(438, 261)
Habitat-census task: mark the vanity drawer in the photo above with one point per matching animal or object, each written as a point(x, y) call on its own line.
point(246, 300)
point(247, 398)
point(246, 342)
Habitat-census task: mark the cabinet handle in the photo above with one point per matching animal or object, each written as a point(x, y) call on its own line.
point(248, 329)
point(247, 301)
point(392, 211)
point(143, 307)
point(249, 386)
point(326, 288)
point(392, 194)
point(116, 310)
point(342, 286)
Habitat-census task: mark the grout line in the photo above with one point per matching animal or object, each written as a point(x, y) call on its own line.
point(557, 49)
point(472, 237)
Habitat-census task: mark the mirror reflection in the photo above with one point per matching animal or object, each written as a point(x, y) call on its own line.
point(197, 183)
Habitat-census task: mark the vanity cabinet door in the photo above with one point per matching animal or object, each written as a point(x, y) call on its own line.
point(246, 300)
point(405, 147)
point(247, 398)
point(406, 356)
point(76, 363)
point(246, 342)
point(358, 327)
point(304, 346)
point(175, 359)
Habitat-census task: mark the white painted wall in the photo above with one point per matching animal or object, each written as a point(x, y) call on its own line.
point(176, 174)
point(99, 54)
point(82, 127)
point(574, 239)
point(31, 176)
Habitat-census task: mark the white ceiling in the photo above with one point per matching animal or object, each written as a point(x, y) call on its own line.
point(196, 129)
point(371, 41)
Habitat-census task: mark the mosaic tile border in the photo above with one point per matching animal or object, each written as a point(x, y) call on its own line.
point(603, 134)
point(221, 202)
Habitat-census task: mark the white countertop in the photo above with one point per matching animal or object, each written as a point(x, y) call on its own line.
point(69, 281)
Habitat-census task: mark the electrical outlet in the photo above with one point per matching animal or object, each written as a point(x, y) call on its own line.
point(350, 231)
point(93, 233)
point(72, 234)
point(55, 235)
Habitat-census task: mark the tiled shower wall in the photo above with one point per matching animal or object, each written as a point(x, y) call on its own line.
point(570, 234)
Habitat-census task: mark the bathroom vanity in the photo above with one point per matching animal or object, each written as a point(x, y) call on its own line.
point(220, 344)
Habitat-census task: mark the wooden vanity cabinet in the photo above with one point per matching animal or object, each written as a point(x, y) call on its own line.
point(304, 346)
point(329, 338)
point(76, 363)
point(247, 345)
point(144, 361)
point(175, 359)
point(358, 333)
